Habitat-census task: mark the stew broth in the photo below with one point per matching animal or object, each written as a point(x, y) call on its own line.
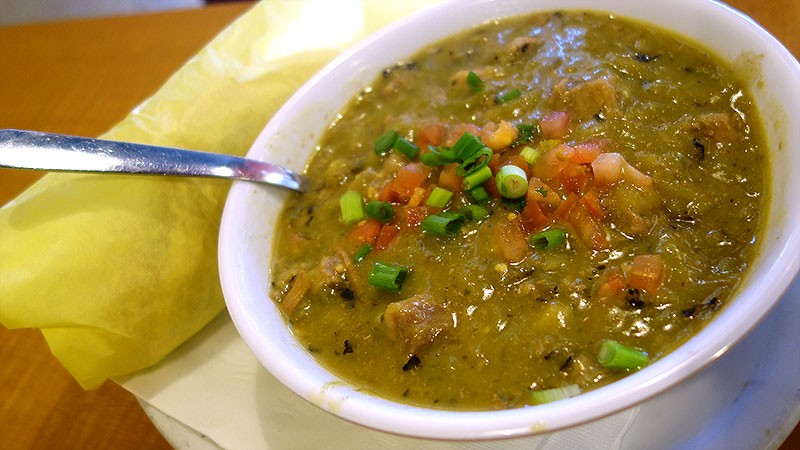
point(644, 149)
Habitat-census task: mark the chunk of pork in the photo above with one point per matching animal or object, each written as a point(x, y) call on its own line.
point(416, 321)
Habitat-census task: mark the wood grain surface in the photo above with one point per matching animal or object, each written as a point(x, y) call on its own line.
point(82, 77)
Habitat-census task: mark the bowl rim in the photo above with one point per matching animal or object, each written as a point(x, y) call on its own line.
point(351, 404)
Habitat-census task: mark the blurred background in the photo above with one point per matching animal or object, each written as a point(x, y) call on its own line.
point(17, 12)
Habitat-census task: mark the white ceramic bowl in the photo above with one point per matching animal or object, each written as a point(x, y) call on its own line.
point(250, 212)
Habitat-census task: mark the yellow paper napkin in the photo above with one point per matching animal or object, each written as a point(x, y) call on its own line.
point(117, 271)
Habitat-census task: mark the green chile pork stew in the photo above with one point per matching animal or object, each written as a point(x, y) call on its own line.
point(526, 211)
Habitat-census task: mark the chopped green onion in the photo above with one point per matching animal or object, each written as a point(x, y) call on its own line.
point(474, 81)
point(475, 162)
point(512, 181)
point(406, 148)
point(531, 154)
point(468, 151)
point(439, 197)
point(526, 133)
point(432, 159)
point(508, 96)
point(352, 207)
point(613, 355)
point(479, 194)
point(444, 224)
point(380, 210)
point(475, 212)
point(362, 253)
point(438, 156)
point(551, 395)
point(384, 143)
point(387, 276)
point(548, 239)
point(476, 178)
point(466, 146)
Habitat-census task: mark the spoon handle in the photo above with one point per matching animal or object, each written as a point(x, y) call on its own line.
point(57, 152)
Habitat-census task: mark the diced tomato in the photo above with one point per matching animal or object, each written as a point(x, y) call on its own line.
point(457, 130)
point(408, 178)
point(589, 231)
point(607, 169)
point(555, 124)
point(540, 192)
point(449, 179)
point(430, 134)
point(576, 177)
point(592, 204)
point(587, 151)
point(565, 208)
point(415, 215)
point(495, 163)
point(611, 284)
point(610, 168)
point(510, 241)
point(647, 272)
point(388, 193)
point(532, 218)
point(553, 162)
point(385, 236)
point(365, 232)
point(491, 188)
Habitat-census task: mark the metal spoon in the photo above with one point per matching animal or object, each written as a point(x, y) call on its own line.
point(58, 152)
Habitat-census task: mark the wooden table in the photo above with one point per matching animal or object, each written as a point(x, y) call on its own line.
point(82, 77)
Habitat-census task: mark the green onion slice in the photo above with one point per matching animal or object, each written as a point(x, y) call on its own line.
point(508, 96)
point(439, 197)
point(387, 276)
point(352, 206)
point(432, 159)
point(551, 395)
point(531, 154)
point(479, 194)
point(475, 212)
point(438, 156)
point(512, 181)
point(444, 224)
point(469, 152)
point(613, 355)
point(407, 148)
point(548, 239)
point(474, 81)
point(467, 146)
point(476, 178)
point(380, 210)
point(362, 253)
point(384, 143)
point(475, 162)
